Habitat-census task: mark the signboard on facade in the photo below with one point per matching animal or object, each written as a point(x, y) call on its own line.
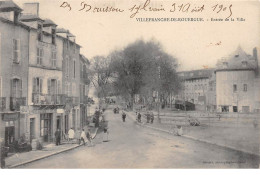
point(10, 117)
point(60, 111)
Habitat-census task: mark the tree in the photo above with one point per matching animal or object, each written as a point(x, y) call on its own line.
point(141, 68)
point(100, 72)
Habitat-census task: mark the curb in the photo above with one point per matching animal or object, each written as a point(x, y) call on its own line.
point(42, 157)
point(48, 155)
point(200, 140)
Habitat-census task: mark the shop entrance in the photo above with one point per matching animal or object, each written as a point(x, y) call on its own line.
point(9, 135)
point(32, 129)
point(46, 127)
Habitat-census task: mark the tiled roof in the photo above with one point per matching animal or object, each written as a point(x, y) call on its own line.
point(196, 74)
point(30, 17)
point(239, 59)
point(7, 6)
point(48, 22)
point(61, 30)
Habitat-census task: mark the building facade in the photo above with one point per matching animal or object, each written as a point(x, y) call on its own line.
point(196, 88)
point(40, 76)
point(14, 39)
point(237, 83)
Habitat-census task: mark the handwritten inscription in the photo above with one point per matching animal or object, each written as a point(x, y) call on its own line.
point(147, 6)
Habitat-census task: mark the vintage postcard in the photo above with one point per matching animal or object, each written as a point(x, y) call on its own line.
point(129, 84)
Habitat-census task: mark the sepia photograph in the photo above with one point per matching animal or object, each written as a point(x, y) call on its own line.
point(129, 84)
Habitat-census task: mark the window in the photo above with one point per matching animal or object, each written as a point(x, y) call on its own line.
point(16, 51)
point(39, 32)
point(234, 108)
point(37, 85)
point(53, 59)
point(39, 56)
point(245, 87)
point(16, 87)
point(234, 88)
point(74, 69)
point(67, 67)
point(53, 36)
point(0, 86)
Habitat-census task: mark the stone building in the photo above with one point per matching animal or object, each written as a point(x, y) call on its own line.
point(237, 83)
point(196, 88)
point(14, 39)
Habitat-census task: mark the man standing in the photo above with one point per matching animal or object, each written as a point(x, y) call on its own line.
point(123, 116)
point(57, 136)
point(152, 117)
point(83, 137)
point(71, 134)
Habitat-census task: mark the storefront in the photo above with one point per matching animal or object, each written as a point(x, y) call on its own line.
point(46, 127)
point(11, 127)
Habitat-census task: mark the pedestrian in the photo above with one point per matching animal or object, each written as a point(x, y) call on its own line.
point(105, 135)
point(89, 137)
point(77, 135)
point(147, 117)
point(123, 116)
point(71, 134)
point(152, 117)
point(83, 137)
point(57, 136)
point(139, 117)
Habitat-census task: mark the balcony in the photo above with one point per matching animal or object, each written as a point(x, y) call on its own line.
point(72, 100)
point(2, 103)
point(15, 103)
point(48, 99)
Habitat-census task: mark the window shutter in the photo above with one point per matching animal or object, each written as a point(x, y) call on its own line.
point(21, 88)
point(11, 84)
point(18, 50)
point(40, 91)
point(59, 89)
point(49, 86)
point(34, 85)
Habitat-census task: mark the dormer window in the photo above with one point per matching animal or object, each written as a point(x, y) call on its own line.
point(244, 63)
point(236, 55)
point(53, 36)
point(225, 64)
point(39, 32)
point(16, 16)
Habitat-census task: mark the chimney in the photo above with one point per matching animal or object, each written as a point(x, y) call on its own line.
point(31, 8)
point(255, 53)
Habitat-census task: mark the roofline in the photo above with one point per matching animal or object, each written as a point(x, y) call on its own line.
point(229, 70)
point(18, 23)
point(67, 39)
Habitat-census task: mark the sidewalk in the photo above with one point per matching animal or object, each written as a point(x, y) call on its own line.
point(245, 139)
point(19, 159)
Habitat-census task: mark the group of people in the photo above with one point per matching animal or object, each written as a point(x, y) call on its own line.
point(80, 135)
point(149, 117)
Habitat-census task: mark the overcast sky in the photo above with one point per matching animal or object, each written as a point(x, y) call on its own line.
point(190, 42)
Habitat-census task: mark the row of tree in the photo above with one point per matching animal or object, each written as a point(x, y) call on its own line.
point(142, 68)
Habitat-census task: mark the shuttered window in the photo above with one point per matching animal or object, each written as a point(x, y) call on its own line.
point(16, 50)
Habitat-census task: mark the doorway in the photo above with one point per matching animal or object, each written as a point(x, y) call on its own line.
point(32, 129)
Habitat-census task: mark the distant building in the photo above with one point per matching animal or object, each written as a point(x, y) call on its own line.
point(237, 83)
point(196, 85)
point(84, 88)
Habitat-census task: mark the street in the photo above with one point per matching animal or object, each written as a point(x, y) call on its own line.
point(132, 146)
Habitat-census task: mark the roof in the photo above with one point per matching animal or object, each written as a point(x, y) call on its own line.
point(84, 58)
point(48, 22)
point(7, 6)
point(195, 74)
point(61, 30)
point(238, 60)
point(30, 17)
